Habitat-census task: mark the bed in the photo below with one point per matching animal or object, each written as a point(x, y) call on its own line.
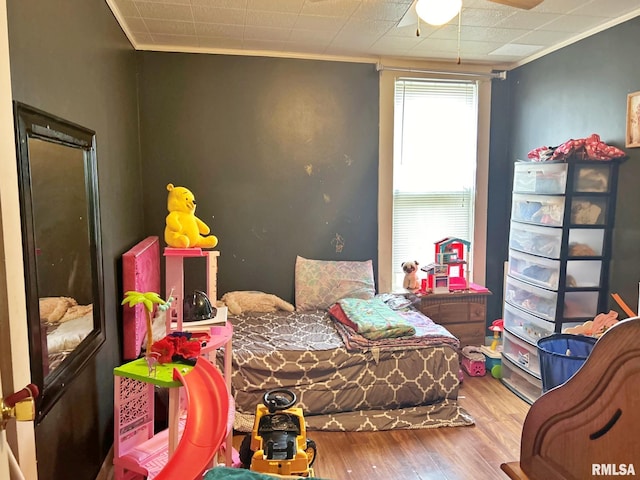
point(66, 324)
point(343, 380)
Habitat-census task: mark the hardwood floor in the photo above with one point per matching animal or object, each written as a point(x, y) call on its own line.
point(459, 453)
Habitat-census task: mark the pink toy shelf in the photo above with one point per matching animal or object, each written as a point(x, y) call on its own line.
point(138, 452)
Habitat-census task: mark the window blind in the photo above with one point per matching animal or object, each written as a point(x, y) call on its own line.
point(435, 139)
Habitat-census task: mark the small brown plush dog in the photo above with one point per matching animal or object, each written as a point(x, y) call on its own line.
point(410, 270)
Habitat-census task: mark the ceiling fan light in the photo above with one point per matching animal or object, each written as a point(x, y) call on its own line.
point(438, 12)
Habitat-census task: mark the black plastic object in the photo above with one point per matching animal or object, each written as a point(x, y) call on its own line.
point(561, 356)
point(197, 307)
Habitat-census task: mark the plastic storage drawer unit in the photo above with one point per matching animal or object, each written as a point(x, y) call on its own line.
point(529, 297)
point(522, 353)
point(537, 270)
point(592, 178)
point(540, 178)
point(525, 325)
point(536, 240)
point(520, 382)
point(541, 210)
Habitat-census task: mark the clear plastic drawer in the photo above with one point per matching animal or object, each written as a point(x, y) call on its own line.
point(581, 304)
point(536, 270)
point(537, 240)
point(542, 210)
point(534, 299)
point(589, 211)
point(525, 325)
point(586, 242)
point(546, 178)
point(522, 383)
point(521, 353)
point(583, 273)
point(592, 178)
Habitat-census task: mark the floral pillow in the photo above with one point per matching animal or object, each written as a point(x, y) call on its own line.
point(321, 283)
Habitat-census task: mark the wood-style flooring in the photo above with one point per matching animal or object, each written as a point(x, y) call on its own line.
point(460, 453)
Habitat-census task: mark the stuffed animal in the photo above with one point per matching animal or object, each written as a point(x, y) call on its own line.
point(183, 229)
point(410, 269)
point(249, 301)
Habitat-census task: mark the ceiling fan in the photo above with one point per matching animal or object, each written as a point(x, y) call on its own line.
point(451, 8)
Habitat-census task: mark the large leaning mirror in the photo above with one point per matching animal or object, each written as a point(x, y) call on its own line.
point(62, 248)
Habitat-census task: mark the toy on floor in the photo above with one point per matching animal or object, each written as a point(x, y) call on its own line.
point(278, 443)
point(496, 327)
point(473, 361)
point(183, 229)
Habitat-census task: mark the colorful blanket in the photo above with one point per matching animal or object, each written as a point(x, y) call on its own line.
point(428, 333)
point(374, 319)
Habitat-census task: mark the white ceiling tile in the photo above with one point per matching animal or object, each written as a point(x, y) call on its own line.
point(136, 24)
point(219, 30)
point(381, 11)
point(292, 6)
point(614, 9)
point(220, 43)
point(233, 4)
point(142, 38)
point(171, 2)
point(127, 8)
point(314, 22)
point(573, 23)
point(253, 44)
point(266, 33)
point(177, 40)
point(480, 17)
point(362, 27)
point(330, 8)
point(271, 19)
point(163, 11)
point(167, 27)
point(311, 36)
point(526, 20)
point(234, 16)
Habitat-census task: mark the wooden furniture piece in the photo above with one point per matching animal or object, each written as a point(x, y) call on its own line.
point(559, 252)
point(590, 422)
point(464, 314)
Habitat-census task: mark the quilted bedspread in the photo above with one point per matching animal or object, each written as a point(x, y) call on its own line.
point(379, 389)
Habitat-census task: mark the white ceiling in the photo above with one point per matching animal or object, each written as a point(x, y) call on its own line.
point(364, 30)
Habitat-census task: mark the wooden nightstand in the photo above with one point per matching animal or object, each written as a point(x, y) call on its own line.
point(464, 314)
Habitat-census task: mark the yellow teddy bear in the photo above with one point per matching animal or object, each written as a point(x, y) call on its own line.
point(183, 228)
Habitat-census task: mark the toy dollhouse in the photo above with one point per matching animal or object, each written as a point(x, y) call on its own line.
point(450, 271)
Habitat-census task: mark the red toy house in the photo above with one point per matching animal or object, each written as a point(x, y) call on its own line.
point(450, 252)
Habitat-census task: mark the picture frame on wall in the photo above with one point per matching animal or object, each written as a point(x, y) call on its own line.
point(633, 120)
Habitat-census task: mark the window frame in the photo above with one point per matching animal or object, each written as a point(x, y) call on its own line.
point(385, 175)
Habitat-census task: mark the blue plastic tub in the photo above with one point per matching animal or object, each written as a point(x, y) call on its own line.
point(561, 356)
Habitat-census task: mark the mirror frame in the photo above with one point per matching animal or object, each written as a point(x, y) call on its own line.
point(31, 122)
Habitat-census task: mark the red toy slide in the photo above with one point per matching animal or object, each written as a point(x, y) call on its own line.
point(206, 424)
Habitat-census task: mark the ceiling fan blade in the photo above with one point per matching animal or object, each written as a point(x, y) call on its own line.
point(410, 18)
point(524, 4)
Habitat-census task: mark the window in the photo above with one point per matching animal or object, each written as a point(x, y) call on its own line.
point(435, 136)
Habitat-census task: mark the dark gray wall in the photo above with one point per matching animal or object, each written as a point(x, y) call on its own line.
point(572, 93)
point(281, 154)
point(71, 59)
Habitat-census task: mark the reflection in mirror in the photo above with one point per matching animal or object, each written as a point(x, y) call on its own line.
point(62, 254)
